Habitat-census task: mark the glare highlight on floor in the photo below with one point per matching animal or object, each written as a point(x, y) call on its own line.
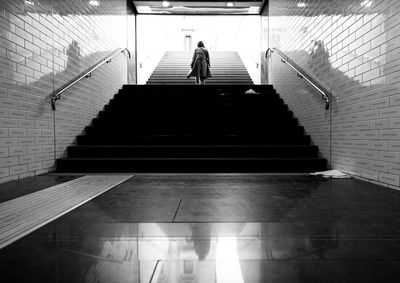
point(227, 261)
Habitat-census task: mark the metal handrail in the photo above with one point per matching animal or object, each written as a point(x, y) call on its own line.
point(87, 74)
point(326, 94)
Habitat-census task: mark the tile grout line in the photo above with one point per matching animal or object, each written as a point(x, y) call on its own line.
point(176, 212)
point(154, 270)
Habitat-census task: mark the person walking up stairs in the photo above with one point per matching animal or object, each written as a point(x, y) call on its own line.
point(200, 65)
point(227, 69)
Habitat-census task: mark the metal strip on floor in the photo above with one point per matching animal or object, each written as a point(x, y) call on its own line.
point(23, 215)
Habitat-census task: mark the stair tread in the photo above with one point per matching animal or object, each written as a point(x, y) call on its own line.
point(174, 136)
point(197, 158)
point(217, 146)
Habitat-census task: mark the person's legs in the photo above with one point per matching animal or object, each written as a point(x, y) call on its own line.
point(197, 80)
point(202, 81)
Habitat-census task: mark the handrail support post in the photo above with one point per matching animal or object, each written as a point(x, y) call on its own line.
point(129, 53)
point(53, 103)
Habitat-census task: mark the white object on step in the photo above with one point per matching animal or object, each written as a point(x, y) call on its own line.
point(336, 174)
point(251, 91)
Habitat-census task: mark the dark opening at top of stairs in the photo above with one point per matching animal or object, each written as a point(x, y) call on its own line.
point(212, 128)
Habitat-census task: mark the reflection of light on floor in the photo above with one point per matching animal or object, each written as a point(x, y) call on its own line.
point(227, 261)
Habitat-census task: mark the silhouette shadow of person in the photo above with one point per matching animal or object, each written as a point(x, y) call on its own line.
point(73, 55)
point(201, 236)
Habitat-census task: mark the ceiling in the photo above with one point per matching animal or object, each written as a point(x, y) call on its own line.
point(204, 7)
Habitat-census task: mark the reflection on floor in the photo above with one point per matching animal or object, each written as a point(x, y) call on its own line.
point(218, 228)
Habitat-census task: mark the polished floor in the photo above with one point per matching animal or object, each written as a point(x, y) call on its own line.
point(215, 228)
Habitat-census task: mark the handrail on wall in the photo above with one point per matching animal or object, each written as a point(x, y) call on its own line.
point(87, 74)
point(326, 94)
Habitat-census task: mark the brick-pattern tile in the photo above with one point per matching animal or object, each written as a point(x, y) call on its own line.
point(352, 47)
point(43, 46)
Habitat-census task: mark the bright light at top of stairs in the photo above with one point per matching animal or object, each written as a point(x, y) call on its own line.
point(254, 9)
point(230, 4)
point(165, 3)
point(301, 5)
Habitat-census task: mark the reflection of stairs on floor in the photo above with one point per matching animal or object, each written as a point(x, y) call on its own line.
point(226, 68)
point(151, 128)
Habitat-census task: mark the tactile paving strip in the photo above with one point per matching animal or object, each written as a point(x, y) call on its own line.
point(23, 215)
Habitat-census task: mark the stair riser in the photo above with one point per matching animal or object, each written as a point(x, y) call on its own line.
point(205, 90)
point(189, 106)
point(199, 94)
point(196, 91)
point(207, 131)
point(189, 119)
point(215, 77)
point(134, 108)
point(193, 122)
point(219, 72)
point(189, 166)
point(195, 114)
point(174, 80)
point(186, 83)
point(194, 152)
point(182, 118)
point(192, 140)
point(162, 76)
point(171, 98)
point(179, 101)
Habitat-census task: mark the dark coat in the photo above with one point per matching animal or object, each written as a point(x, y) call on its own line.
point(200, 64)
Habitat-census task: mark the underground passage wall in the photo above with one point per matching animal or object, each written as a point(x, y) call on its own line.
point(352, 46)
point(43, 45)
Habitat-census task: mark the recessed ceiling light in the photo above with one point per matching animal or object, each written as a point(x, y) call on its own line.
point(230, 4)
point(366, 3)
point(165, 3)
point(94, 3)
point(28, 2)
point(301, 5)
point(144, 9)
point(254, 9)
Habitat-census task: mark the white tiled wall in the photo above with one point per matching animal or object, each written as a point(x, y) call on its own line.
point(248, 45)
point(353, 47)
point(43, 45)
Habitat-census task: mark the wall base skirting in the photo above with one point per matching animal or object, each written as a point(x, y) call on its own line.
point(375, 182)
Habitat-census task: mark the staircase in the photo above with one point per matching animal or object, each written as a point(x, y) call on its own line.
point(226, 68)
point(150, 128)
